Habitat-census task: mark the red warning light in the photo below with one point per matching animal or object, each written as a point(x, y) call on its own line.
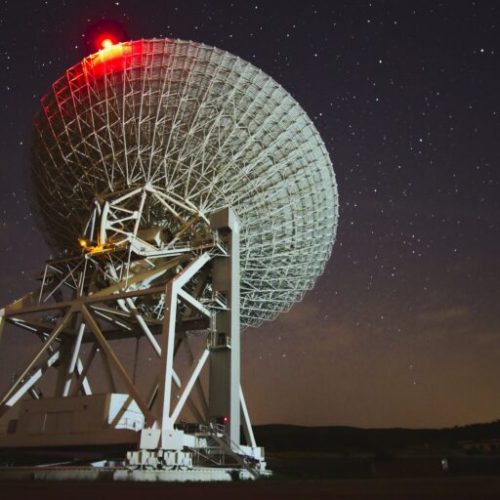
point(106, 41)
point(111, 56)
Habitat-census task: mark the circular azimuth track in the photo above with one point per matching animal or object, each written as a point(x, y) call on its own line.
point(201, 125)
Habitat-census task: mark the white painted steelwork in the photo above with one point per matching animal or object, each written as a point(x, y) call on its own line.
point(191, 195)
point(204, 130)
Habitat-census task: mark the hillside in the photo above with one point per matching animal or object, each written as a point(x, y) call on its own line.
point(342, 439)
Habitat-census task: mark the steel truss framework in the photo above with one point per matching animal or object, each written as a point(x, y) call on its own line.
point(205, 130)
point(203, 199)
point(113, 292)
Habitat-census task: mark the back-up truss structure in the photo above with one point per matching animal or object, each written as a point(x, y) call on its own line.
point(203, 128)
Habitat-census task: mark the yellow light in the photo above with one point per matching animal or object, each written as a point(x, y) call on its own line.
point(97, 249)
point(83, 242)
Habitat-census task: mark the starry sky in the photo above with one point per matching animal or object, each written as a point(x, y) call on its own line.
point(403, 327)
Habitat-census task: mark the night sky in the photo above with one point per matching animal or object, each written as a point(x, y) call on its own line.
point(403, 328)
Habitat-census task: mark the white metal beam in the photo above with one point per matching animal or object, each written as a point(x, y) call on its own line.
point(34, 378)
point(74, 360)
point(247, 424)
point(55, 333)
point(189, 386)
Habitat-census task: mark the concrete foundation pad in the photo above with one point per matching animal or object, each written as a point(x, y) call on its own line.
point(121, 474)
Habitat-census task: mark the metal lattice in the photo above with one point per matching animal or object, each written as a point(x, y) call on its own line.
point(201, 125)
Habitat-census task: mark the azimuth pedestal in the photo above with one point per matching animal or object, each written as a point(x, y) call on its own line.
point(73, 416)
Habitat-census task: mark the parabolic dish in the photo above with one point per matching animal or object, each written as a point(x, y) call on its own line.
point(206, 126)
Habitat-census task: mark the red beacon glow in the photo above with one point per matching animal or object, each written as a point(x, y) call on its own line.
point(106, 41)
point(109, 57)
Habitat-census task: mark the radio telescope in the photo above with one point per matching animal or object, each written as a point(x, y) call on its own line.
point(188, 194)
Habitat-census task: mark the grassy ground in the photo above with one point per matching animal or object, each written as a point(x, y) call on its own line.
point(448, 488)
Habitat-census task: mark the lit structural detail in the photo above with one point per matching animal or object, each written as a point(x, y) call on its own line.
point(190, 196)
